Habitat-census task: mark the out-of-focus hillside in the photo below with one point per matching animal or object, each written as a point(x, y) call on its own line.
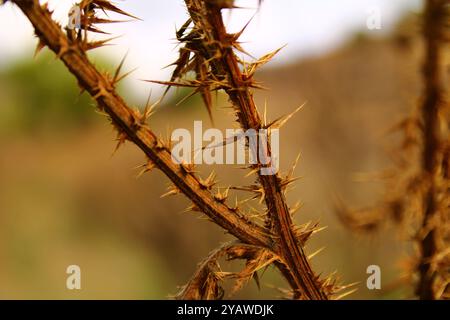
point(64, 199)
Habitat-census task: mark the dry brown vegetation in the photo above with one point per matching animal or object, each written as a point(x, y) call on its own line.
point(271, 238)
point(417, 195)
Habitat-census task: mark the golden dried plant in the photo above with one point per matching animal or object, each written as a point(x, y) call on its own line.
point(418, 189)
point(208, 51)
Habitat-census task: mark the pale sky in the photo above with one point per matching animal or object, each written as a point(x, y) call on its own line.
point(306, 26)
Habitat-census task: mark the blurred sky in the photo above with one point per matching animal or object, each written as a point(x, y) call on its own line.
point(306, 26)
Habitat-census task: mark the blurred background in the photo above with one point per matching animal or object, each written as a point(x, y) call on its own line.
point(65, 199)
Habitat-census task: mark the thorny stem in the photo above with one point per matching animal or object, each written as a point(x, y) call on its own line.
point(207, 16)
point(204, 284)
point(433, 142)
point(126, 120)
point(201, 275)
point(425, 195)
point(294, 265)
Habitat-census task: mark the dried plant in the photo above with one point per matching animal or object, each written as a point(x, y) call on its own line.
point(209, 52)
point(418, 190)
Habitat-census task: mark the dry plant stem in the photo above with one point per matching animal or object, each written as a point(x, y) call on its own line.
point(126, 120)
point(207, 15)
point(201, 275)
point(433, 142)
point(423, 197)
point(203, 284)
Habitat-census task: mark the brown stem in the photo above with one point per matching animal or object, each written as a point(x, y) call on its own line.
point(433, 141)
point(207, 17)
point(201, 286)
point(127, 121)
point(205, 284)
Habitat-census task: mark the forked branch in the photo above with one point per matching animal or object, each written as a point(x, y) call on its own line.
point(217, 66)
point(128, 122)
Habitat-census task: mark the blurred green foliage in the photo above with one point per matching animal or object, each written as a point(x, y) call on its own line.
point(39, 93)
